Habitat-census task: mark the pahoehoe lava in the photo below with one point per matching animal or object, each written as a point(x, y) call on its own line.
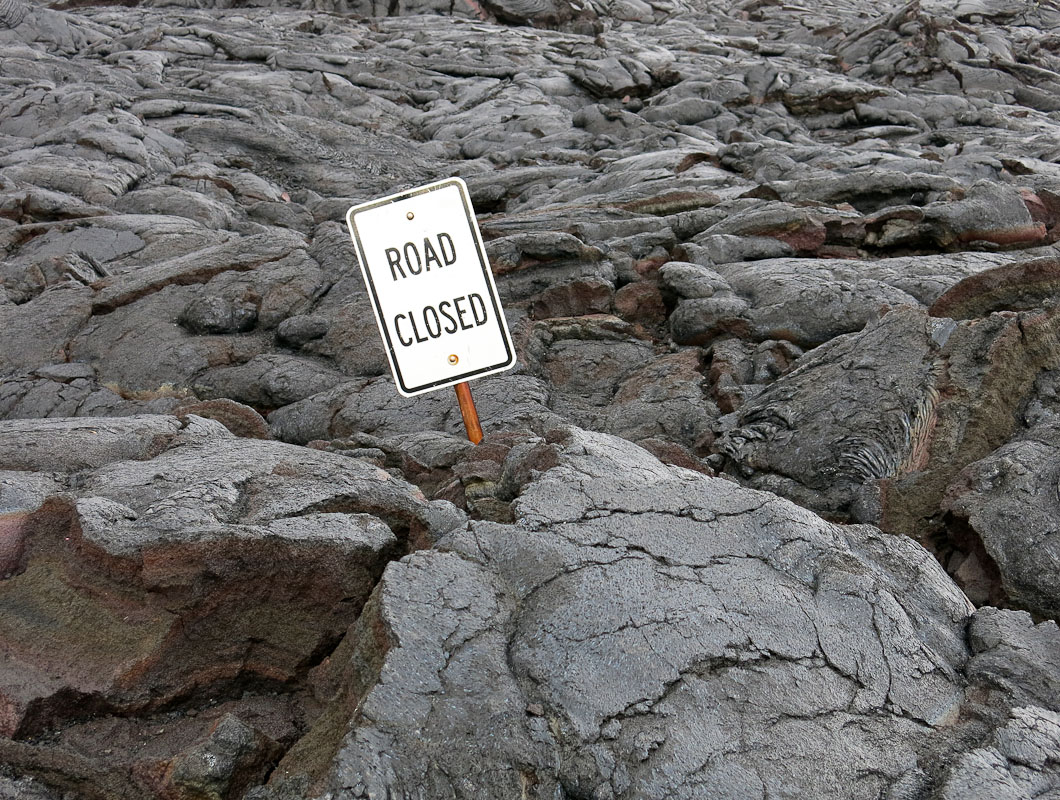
point(767, 508)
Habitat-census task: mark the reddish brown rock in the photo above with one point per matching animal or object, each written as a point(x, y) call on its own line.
point(213, 562)
point(12, 541)
point(989, 213)
point(211, 750)
point(665, 400)
point(641, 302)
point(491, 474)
point(1044, 207)
point(648, 266)
point(1009, 287)
point(804, 231)
point(574, 299)
point(675, 455)
point(239, 419)
point(85, 630)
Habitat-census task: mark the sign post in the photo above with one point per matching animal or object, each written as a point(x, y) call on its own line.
point(432, 291)
point(468, 412)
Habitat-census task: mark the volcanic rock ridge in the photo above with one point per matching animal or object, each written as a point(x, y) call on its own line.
point(768, 507)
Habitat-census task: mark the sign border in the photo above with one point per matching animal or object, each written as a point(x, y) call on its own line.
point(395, 370)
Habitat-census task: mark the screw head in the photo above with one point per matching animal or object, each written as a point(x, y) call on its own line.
point(454, 358)
point(410, 215)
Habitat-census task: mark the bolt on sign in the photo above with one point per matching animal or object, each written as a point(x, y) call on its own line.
point(432, 288)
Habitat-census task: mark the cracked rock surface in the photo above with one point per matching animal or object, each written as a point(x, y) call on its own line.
point(646, 631)
point(767, 507)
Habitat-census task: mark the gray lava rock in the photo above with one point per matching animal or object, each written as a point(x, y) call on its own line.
point(584, 360)
point(612, 77)
point(1009, 500)
point(159, 508)
point(269, 381)
point(213, 314)
point(692, 281)
point(69, 445)
point(178, 202)
point(813, 301)
point(632, 597)
point(173, 181)
point(665, 399)
point(725, 248)
point(231, 759)
point(988, 213)
point(373, 407)
point(297, 331)
point(24, 789)
point(1021, 760)
point(1016, 657)
point(46, 393)
point(43, 326)
point(851, 433)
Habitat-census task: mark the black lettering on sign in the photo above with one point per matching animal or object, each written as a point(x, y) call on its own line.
point(480, 319)
point(460, 313)
point(393, 257)
point(414, 263)
point(448, 255)
point(427, 324)
point(416, 331)
point(452, 320)
point(397, 331)
point(408, 261)
point(428, 314)
point(429, 255)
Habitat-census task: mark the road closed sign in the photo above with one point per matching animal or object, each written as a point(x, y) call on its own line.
point(431, 287)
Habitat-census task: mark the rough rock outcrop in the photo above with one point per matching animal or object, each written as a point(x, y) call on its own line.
point(858, 436)
point(645, 631)
point(1009, 499)
point(172, 561)
point(761, 262)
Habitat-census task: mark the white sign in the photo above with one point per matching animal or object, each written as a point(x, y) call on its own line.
point(432, 289)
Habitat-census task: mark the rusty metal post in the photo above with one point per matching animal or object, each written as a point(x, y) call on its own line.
point(468, 412)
